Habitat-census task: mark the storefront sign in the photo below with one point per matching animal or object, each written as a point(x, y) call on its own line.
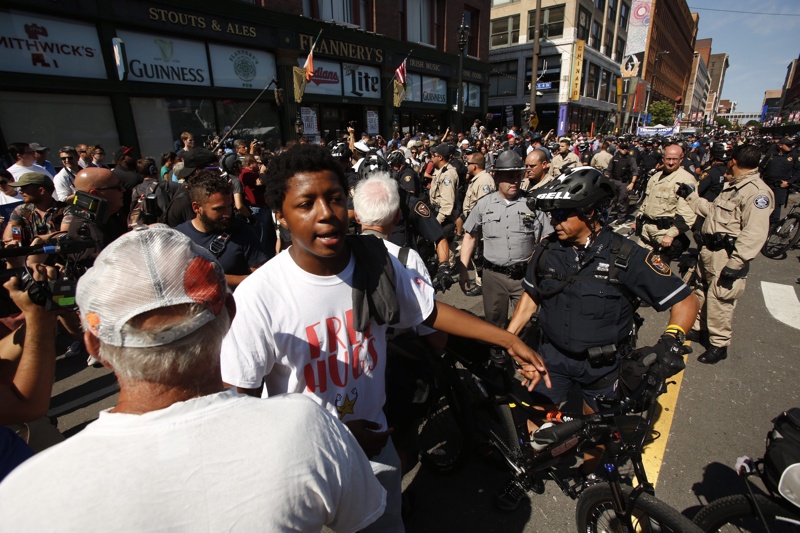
point(372, 123)
point(413, 88)
point(308, 115)
point(509, 112)
point(327, 77)
point(38, 45)
point(341, 49)
point(241, 68)
point(171, 19)
point(473, 93)
point(361, 81)
point(562, 120)
point(473, 75)
point(429, 67)
point(577, 70)
point(160, 59)
point(434, 90)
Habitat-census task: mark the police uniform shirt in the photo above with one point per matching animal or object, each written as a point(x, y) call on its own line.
point(648, 160)
point(777, 168)
point(623, 167)
point(590, 313)
point(409, 181)
point(601, 160)
point(477, 187)
point(510, 229)
point(443, 191)
point(661, 201)
point(688, 165)
point(741, 209)
point(560, 160)
point(416, 219)
point(712, 180)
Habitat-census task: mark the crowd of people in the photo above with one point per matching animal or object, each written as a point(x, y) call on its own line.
point(217, 276)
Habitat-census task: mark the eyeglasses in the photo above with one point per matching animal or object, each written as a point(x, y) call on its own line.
point(82, 151)
point(560, 215)
point(68, 158)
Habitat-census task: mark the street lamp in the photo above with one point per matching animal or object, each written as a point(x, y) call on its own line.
point(652, 81)
point(463, 35)
point(298, 125)
point(535, 61)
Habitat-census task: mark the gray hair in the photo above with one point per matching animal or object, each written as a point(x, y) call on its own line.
point(183, 362)
point(376, 200)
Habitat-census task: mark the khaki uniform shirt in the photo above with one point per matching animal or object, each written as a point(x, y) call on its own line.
point(741, 209)
point(601, 160)
point(478, 186)
point(559, 161)
point(443, 192)
point(661, 201)
point(526, 184)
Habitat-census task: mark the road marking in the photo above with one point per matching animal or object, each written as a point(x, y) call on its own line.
point(653, 453)
point(83, 400)
point(782, 303)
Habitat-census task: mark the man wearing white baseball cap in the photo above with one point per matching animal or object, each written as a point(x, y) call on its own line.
point(179, 451)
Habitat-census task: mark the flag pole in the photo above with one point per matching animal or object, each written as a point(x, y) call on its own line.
point(394, 74)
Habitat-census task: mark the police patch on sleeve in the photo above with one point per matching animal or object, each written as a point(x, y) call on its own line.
point(761, 201)
point(422, 210)
point(407, 178)
point(446, 181)
point(486, 189)
point(660, 267)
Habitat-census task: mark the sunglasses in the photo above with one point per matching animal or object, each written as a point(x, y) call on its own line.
point(560, 215)
point(68, 158)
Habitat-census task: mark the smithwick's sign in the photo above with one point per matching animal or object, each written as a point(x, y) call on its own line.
point(37, 45)
point(330, 47)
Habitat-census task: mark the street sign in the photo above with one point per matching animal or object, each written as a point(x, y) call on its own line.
point(544, 85)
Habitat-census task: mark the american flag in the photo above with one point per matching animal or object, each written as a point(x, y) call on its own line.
point(401, 72)
point(677, 122)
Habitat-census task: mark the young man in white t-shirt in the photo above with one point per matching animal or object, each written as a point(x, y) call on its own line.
point(298, 329)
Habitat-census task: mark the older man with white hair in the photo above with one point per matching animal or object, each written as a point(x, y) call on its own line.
point(179, 451)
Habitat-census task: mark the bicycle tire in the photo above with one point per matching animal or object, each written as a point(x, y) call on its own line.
point(444, 438)
point(595, 513)
point(782, 238)
point(738, 513)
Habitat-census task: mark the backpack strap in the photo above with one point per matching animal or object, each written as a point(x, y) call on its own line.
point(403, 255)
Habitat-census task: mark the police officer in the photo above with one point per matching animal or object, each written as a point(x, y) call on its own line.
point(665, 218)
point(735, 228)
point(406, 177)
point(564, 157)
point(479, 185)
point(649, 159)
point(444, 187)
point(780, 170)
point(623, 172)
point(712, 174)
point(585, 281)
point(509, 229)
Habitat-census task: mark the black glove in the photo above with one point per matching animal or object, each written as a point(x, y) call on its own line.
point(443, 279)
point(684, 190)
point(728, 276)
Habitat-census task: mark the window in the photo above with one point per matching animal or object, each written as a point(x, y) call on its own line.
point(472, 19)
point(503, 79)
point(620, 50)
point(504, 31)
point(592, 80)
point(612, 11)
point(552, 23)
point(338, 10)
point(584, 20)
point(600, 5)
point(624, 10)
point(502, 2)
point(612, 88)
point(549, 72)
point(421, 21)
point(594, 40)
point(609, 44)
point(604, 86)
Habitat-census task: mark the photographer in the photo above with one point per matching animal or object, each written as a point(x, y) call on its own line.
point(27, 369)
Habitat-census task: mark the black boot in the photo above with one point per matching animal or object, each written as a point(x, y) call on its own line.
point(714, 355)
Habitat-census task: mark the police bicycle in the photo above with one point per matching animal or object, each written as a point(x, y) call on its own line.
point(481, 403)
point(784, 235)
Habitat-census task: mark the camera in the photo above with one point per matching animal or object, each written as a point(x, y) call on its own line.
point(90, 207)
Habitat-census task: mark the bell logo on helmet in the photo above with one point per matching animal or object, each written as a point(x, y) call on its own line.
point(554, 196)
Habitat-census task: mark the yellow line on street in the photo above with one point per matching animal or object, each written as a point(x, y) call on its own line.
point(653, 453)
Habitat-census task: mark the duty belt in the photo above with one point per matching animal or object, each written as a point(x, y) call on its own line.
point(719, 241)
point(660, 222)
point(515, 271)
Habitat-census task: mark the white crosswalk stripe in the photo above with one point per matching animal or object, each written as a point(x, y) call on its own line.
point(782, 303)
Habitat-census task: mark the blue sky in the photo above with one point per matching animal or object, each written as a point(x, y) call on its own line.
point(759, 47)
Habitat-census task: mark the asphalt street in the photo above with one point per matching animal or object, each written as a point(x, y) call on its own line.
point(721, 412)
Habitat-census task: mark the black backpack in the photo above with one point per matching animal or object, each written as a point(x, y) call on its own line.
point(783, 446)
point(151, 201)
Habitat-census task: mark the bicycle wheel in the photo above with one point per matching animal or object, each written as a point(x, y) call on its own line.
point(443, 436)
point(783, 237)
point(738, 513)
point(595, 514)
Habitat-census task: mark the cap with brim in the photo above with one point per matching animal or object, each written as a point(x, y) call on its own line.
point(32, 178)
point(149, 268)
point(787, 141)
point(194, 159)
point(362, 147)
point(122, 151)
point(441, 149)
point(36, 147)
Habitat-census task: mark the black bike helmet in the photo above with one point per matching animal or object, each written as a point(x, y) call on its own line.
point(342, 151)
point(227, 163)
point(508, 160)
point(396, 158)
point(583, 189)
point(719, 152)
point(372, 163)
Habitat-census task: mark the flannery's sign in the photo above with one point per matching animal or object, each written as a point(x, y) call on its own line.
point(340, 49)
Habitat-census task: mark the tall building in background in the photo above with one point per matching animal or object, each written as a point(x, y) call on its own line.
point(582, 47)
point(717, 66)
point(696, 98)
point(771, 107)
point(790, 95)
